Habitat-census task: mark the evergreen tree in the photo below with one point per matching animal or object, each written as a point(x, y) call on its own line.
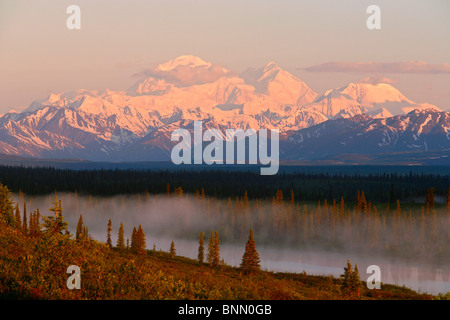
point(211, 247)
point(31, 223)
point(346, 279)
point(429, 199)
point(18, 220)
point(361, 203)
point(245, 200)
point(38, 218)
point(448, 199)
point(56, 223)
point(108, 234)
point(6, 205)
point(120, 239)
point(178, 191)
point(172, 250)
point(141, 243)
point(351, 283)
point(134, 244)
point(203, 196)
point(25, 224)
point(79, 231)
point(201, 249)
point(341, 206)
point(356, 281)
point(85, 234)
point(278, 198)
point(138, 241)
point(216, 252)
point(34, 223)
point(250, 259)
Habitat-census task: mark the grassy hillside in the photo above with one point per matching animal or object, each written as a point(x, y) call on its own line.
point(34, 267)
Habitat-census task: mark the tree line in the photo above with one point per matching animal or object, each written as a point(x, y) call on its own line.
point(380, 187)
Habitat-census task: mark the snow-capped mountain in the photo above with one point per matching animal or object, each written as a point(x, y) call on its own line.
point(382, 100)
point(279, 85)
point(419, 130)
point(136, 124)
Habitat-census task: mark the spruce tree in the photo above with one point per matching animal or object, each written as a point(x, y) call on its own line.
point(17, 217)
point(429, 200)
point(346, 279)
point(134, 240)
point(342, 206)
point(141, 243)
point(250, 259)
point(448, 199)
point(216, 254)
point(351, 283)
point(356, 283)
point(399, 209)
point(34, 223)
point(85, 234)
point(361, 203)
point(138, 243)
point(56, 223)
point(6, 205)
point(79, 231)
point(172, 250)
point(211, 247)
point(120, 239)
point(178, 191)
point(25, 225)
point(108, 234)
point(31, 223)
point(201, 249)
point(38, 218)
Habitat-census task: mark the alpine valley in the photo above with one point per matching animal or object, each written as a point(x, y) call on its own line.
point(358, 121)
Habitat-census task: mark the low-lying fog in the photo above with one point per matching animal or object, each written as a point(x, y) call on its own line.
point(181, 219)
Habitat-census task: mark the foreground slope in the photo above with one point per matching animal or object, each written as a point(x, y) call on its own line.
point(34, 267)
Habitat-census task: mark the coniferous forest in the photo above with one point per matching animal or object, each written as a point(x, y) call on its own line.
point(399, 216)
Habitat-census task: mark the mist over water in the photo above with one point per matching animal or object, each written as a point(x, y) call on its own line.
point(181, 219)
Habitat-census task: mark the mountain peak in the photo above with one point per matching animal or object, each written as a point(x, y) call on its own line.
point(271, 65)
point(368, 93)
point(425, 110)
point(185, 60)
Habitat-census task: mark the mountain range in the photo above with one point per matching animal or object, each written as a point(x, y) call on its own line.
point(136, 124)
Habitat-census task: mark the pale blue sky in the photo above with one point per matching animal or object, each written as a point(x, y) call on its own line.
point(39, 55)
